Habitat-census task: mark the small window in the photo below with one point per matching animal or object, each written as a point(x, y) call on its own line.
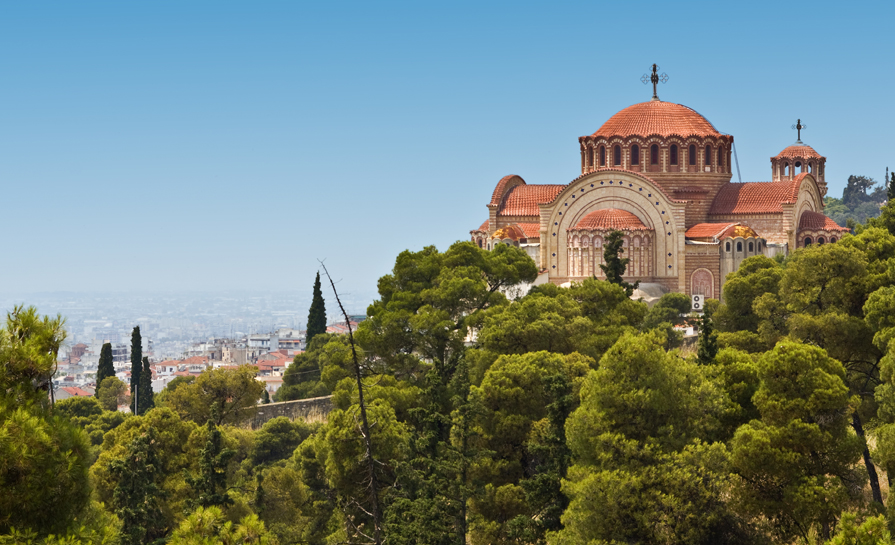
point(727, 247)
point(832, 239)
point(692, 154)
point(602, 156)
point(618, 156)
point(654, 155)
point(751, 247)
point(807, 241)
point(739, 246)
point(821, 240)
point(786, 173)
point(480, 243)
point(673, 154)
point(635, 154)
point(720, 157)
point(708, 156)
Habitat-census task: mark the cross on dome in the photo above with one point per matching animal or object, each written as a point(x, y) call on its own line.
point(798, 127)
point(655, 78)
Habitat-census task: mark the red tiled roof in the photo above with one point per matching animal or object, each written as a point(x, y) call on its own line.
point(707, 230)
point(75, 391)
point(815, 221)
point(531, 230)
point(523, 200)
point(512, 232)
point(754, 197)
point(803, 151)
point(659, 118)
point(501, 186)
point(610, 218)
point(484, 227)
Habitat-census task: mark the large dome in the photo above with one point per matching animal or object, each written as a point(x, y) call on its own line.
point(657, 118)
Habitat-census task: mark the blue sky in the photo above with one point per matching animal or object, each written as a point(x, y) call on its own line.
point(229, 145)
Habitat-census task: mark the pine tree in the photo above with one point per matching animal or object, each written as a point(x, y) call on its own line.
point(146, 400)
point(615, 266)
point(317, 313)
point(136, 367)
point(105, 369)
point(891, 186)
point(708, 340)
point(137, 494)
point(210, 483)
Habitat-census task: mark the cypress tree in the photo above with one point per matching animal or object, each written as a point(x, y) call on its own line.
point(317, 313)
point(890, 186)
point(105, 369)
point(210, 483)
point(136, 367)
point(137, 494)
point(146, 395)
point(708, 340)
point(615, 266)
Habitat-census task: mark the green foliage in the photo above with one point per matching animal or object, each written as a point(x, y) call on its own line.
point(137, 493)
point(146, 395)
point(208, 526)
point(615, 266)
point(708, 340)
point(316, 314)
point(861, 200)
point(79, 406)
point(873, 531)
point(316, 371)
point(136, 368)
point(29, 346)
point(277, 440)
point(668, 310)
point(209, 484)
point(111, 393)
point(105, 368)
point(226, 391)
point(756, 276)
point(797, 463)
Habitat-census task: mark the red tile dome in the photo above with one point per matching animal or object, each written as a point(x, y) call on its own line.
point(815, 221)
point(657, 118)
point(802, 152)
point(609, 219)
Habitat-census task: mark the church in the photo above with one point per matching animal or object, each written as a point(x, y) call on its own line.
point(660, 173)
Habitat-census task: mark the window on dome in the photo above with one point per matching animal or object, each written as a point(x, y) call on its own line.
point(811, 168)
point(654, 155)
point(635, 154)
point(820, 240)
point(832, 239)
point(708, 156)
point(727, 247)
point(618, 156)
point(692, 154)
point(673, 154)
point(751, 247)
point(720, 157)
point(786, 173)
point(739, 246)
point(602, 156)
point(807, 241)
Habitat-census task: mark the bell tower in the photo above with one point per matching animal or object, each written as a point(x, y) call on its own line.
point(799, 158)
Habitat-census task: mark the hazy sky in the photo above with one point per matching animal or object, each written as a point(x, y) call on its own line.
point(229, 145)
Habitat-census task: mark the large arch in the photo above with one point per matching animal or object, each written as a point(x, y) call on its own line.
point(624, 190)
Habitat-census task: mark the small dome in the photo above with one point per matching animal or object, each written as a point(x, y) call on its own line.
point(610, 219)
point(801, 152)
point(815, 221)
point(511, 232)
point(659, 118)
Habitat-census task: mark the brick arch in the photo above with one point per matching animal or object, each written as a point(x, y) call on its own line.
point(702, 282)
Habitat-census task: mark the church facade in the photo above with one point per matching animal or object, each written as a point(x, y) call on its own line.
point(660, 173)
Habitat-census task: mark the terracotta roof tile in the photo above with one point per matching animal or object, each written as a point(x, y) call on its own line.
point(75, 391)
point(815, 221)
point(531, 230)
point(523, 200)
point(484, 227)
point(609, 219)
point(657, 118)
point(803, 151)
point(707, 230)
point(500, 187)
point(754, 197)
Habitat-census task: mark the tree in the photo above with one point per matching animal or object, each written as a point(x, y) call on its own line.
point(277, 440)
point(136, 369)
point(316, 314)
point(615, 266)
point(79, 407)
point(105, 368)
point(890, 188)
point(146, 396)
point(796, 464)
point(756, 276)
point(29, 346)
point(708, 340)
point(210, 526)
point(209, 484)
point(137, 495)
point(112, 393)
point(229, 391)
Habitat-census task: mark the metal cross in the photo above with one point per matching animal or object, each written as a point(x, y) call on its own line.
point(798, 127)
point(655, 78)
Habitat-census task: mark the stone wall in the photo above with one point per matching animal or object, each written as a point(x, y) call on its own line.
point(315, 409)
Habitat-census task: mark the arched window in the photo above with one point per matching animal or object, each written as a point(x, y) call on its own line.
point(811, 168)
point(750, 247)
point(821, 240)
point(602, 156)
point(807, 241)
point(480, 243)
point(798, 165)
point(654, 155)
point(720, 157)
point(618, 156)
point(635, 154)
point(673, 154)
point(692, 154)
point(786, 173)
point(708, 156)
point(590, 157)
point(739, 246)
point(832, 239)
point(727, 247)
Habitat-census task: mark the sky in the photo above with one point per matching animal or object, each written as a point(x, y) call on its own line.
point(187, 145)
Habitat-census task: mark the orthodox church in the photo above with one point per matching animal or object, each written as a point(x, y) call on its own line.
point(660, 173)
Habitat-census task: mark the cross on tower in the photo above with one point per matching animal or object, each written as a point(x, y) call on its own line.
point(655, 78)
point(798, 127)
